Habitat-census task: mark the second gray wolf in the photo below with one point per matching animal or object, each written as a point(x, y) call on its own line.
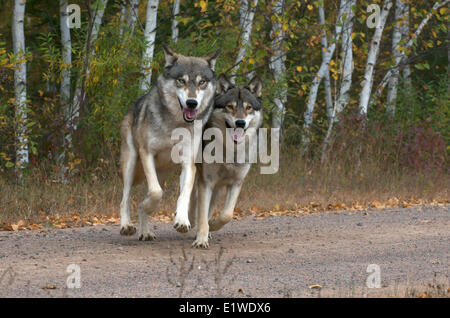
point(238, 109)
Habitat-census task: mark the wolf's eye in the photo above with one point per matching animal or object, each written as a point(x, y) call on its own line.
point(181, 81)
point(230, 107)
point(249, 108)
point(202, 82)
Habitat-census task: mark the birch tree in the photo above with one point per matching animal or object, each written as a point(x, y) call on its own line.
point(397, 53)
point(20, 85)
point(324, 67)
point(246, 16)
point(175, 13)
point(149, 35)
point(133, 11)
point(406, 47)
point(326, 83)
point(123, 16)
point(372, 59)
point(346, 78)
point(66, 61)
point(80, 94)
point(404, 30)
point(277, 66)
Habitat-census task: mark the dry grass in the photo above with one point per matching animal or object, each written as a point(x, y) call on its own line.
point(299, 186)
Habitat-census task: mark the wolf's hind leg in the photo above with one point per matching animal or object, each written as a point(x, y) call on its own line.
point(128, 158)
point(226, 214)
point(153, 198)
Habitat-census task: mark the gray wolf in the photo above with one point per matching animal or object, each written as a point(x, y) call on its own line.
point(184, 92)
point(239, 110)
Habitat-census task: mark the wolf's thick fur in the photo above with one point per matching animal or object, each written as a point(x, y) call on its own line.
point(183, 92)
point(238, 108)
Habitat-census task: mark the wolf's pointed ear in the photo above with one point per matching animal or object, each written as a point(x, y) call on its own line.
point(211, 59)
point(255, 86)
point(171, 55)
point(223, 84)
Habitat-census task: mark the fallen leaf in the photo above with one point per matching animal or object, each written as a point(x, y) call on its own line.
point(49, 287)
point(315, 286)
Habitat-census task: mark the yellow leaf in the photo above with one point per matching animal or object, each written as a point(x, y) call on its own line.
point(203, 6)
point(315, 286)
point(310, 7)
point(299, 68)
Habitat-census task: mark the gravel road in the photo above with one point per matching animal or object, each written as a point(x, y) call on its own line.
point(273, 257)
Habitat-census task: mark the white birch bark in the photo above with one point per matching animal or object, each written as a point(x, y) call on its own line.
point(406, 74)
point(66, 58)
point(80, 95)
point(175, 13)
point(149, 35)
point(346, 79)
point(372, 59)
point(65, 81)
point(247, 14)
point(278, 67)
point(308, 116)
point(133, 11)
point(123, 16)
point(407, 46)
point(20, 86)
point(396, 38)
point(347, 63)
point(326, 83)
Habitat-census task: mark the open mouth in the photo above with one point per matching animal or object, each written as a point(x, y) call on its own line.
point(189, 115)
point(237, 134)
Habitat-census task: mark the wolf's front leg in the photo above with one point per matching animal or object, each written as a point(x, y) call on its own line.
point(151, 201)
point(226, 214)
point(205, 191)
point(187, 179)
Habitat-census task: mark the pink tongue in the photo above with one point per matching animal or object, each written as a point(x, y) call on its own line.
point(190, 113)
point(238, 134)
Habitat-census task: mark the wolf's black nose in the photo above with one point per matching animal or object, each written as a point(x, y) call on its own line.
point(191, 103)
point(240, 123)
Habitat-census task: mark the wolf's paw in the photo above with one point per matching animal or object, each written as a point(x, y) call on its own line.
point(182, 225)
point(201, 243)
point(127, 230)
point(147, 236)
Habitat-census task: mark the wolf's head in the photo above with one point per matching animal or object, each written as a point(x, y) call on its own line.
point(238, 107)
point(188, 84)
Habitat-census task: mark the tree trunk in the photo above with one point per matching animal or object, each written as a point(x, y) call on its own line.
point(278, 67)
point(346, 79)
point(123, 16)
point(372, 59)
point(20, 86)
point(396, 38)
point(175, 13)
point(405, 36)
point(80, 94)
point(324, 67)
point(132, 16)
point(406, 47)
point(326, 83)
point(149, 34)
point(247, 14)
point(66, 59)
point(65, 82)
